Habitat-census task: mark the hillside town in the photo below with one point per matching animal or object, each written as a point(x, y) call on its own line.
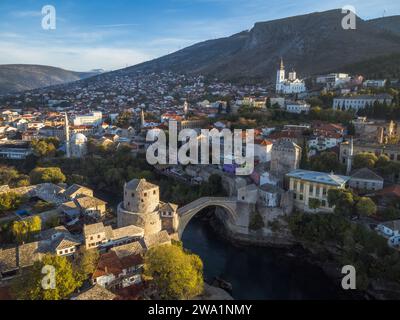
point(325, 147)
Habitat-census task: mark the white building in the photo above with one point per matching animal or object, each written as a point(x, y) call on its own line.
point(360, 102)
point(322, 142)
point(333, 80)
point(297, 107)
point(78, 145)
point(289, 85)
point(374, 83)
point(93, 119)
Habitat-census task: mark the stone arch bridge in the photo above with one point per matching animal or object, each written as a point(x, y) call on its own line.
point(187, 212)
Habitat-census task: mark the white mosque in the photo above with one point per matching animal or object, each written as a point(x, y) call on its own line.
point(290, 85)
point(78, 145)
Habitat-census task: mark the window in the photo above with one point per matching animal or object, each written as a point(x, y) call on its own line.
point(323, 203)
point(301, 197)
point(311, 188)
point(154, 192)
point(145, 194)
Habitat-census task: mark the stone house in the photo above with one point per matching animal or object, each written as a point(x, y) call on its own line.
point(365, 179)
point(116, 270)
point(76, 190)
point(92, 207)
point(99, 236)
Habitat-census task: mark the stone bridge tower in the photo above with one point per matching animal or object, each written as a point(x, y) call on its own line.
point(140, 206)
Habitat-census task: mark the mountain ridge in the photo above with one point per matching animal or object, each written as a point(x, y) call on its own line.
point(22, 77)
point(311, 43)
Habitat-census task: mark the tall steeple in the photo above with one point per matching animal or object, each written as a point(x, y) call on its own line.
point(280, 77)
point(67, 136)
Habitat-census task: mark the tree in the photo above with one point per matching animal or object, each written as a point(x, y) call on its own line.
point(382, 162)
point(29, 285)
point(10, 176)
point(325, 162)
point(175, 273)
point(256, 222)
point(220, 108)
point(268, 104)
point(44, 147)
point(228, 107)
point(47, 175)
point(9, 201)
point(343, 201)
point(314, 203)
point(366, 207)
point(364, 160)
point(24, 230)
point(86, 262)
point(304, 161)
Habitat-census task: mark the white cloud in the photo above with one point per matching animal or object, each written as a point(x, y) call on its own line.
point(24, 14)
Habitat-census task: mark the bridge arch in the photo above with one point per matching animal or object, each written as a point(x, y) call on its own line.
point(187, 212)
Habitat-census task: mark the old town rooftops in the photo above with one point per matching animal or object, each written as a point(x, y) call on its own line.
point(96, 292)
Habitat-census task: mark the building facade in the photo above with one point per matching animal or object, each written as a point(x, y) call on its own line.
point(307, 185)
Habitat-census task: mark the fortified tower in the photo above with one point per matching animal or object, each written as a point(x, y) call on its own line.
point(142, 208)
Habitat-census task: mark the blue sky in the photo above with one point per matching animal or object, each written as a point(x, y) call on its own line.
point(111, 34)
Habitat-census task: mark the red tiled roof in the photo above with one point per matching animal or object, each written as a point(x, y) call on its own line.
point(108, 263)
point(390, 191)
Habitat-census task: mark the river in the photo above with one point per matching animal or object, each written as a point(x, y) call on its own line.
point(256, 272)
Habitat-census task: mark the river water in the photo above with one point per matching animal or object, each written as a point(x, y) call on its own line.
point(256, 272)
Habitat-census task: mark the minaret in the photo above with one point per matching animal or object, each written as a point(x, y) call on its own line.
point(142, 120)
point(185, 108)
point(280, 76)
point(66, 131)
point(350, 156)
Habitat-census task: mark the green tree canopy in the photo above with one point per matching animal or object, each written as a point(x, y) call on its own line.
point(364, 160)
point(9, 201)
point(86, 262)
point(45, 147)
point(29, 285)
point(343, 200)
point(46, 175)
point(10, 176)
point(24, 230)
point(175, 273)
point(366, 207)
point(325, 162)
